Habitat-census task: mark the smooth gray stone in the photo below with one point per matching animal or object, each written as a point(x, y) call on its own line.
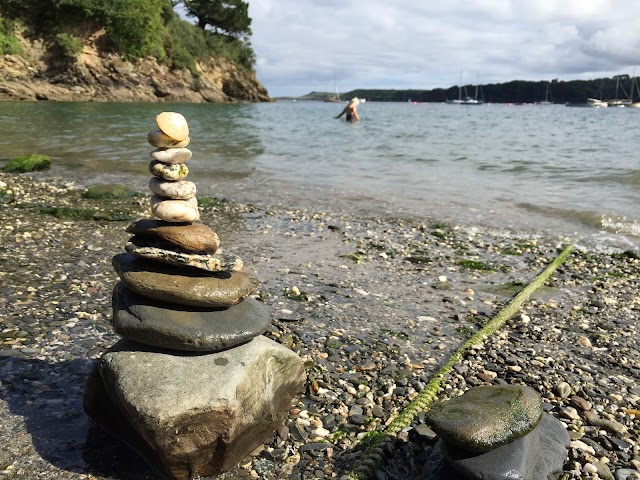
point(193, 415)
point(539, 455)
point(513, 461)
point(554, 444)
point(186, 328)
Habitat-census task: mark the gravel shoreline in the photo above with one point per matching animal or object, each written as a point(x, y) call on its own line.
point(373, 306)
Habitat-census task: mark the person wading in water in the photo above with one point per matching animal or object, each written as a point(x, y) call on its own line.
point(350, 110)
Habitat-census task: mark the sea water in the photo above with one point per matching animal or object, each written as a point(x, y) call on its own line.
point(546, 169)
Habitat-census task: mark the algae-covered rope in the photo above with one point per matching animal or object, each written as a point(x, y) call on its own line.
point(374, 441)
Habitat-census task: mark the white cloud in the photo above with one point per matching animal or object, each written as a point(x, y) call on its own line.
point(303, 45)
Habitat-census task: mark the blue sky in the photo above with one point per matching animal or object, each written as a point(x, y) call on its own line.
point(313, 45)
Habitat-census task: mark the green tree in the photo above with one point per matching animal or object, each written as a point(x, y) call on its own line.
point(230, 17)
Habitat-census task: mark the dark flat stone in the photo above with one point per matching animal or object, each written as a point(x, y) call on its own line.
point(554, 443)
point(513, 461)
point(180, 327)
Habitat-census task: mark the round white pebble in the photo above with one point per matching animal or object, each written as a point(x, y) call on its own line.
point(176, 190)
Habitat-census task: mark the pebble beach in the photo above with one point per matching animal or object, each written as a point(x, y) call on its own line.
point(372, 305)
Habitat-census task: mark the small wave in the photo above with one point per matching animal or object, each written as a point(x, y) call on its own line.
point(627, 178)
point(588, 218)
point(516, 169)
point(621, 225)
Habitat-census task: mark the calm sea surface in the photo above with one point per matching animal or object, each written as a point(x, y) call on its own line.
point(555, 169)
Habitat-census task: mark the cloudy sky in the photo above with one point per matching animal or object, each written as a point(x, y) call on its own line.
point(320, 45)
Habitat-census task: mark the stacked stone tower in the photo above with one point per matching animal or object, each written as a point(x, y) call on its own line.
point(193, 386)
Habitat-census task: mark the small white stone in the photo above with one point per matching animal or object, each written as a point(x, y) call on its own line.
point(321, 432)
point(175, 211)
point(589, 468)
point(168, 171)
point(442, 278)
point(580, 445)
point(171, 155)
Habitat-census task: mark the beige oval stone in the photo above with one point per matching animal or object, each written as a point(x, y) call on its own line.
point(176, 190)
point(174, 210)
point(168, 171)
point(173, 124)
point(171, 155)
point(158, 139)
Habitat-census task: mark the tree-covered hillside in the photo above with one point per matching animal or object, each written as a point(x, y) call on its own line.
point(134, 28)
point(516, 91)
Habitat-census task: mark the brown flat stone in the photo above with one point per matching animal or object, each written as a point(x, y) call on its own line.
point(183, 285)
point(190, 237)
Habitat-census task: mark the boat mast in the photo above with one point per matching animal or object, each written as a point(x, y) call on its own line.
point(477, 79)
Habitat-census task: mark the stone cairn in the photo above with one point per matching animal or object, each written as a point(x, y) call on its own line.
point(495, 433)
point(193, 386)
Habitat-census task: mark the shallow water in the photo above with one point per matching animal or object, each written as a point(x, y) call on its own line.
point(552, 169)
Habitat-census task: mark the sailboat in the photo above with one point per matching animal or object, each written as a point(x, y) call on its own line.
point(467, 100)
point(634, 86)
point(546, 100)
point(591, 102)
point(616, 102)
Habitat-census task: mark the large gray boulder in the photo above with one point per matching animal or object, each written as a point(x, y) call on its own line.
point(193, 415)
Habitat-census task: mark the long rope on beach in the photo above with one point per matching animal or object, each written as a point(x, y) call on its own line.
point(374, 441)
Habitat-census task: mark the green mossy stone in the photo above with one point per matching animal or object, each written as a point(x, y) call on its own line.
point(27, 163)
point(108, 191)
point(486, 417)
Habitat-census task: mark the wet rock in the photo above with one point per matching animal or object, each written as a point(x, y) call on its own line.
point(486, 417)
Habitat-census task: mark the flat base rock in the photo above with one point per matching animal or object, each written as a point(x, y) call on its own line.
point(183, 285)
point(191, 415)
point(179, 327)
point(539, 455)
